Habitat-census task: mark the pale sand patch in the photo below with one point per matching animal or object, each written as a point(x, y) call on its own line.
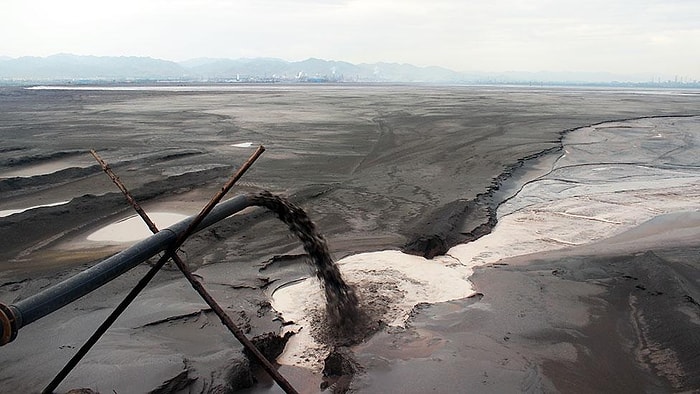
point(8, 212)
point(49, 167)
point(404, 280)
point(133, 228)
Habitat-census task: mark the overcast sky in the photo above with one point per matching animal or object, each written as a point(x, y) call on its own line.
point(620, 36)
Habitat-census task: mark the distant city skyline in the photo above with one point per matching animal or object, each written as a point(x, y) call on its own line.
point(654, 38)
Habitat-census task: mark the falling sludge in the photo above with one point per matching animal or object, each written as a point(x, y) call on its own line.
point(341, 301)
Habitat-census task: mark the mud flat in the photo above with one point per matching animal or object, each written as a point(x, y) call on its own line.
point(421, 169)
point(590, 281)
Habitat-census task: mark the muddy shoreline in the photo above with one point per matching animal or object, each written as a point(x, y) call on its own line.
point(370, 168)
point(550, 316)
point(461, 222)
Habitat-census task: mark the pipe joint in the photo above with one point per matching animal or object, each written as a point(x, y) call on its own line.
point(9, 324)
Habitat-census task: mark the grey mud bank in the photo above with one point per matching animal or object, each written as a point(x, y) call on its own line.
point(376, 167)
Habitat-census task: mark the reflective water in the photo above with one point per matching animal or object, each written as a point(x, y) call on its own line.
point(243, 145)
point(8, 212)
point(133, 228)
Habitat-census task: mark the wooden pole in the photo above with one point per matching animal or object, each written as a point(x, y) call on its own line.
point(196, 284)
point(115, 179)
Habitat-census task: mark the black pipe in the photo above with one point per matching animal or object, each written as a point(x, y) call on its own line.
point(24, 312)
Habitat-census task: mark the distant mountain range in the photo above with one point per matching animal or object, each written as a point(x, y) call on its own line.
point(72, 67)
point(86, 69)
point(69, 67)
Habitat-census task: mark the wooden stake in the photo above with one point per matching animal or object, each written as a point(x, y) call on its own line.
point(129, 197)
point(196, 284)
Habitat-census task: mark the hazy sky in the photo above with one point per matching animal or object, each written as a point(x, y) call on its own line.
point(620, 36)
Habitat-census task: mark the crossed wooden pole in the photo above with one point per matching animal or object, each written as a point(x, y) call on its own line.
point(171, 253)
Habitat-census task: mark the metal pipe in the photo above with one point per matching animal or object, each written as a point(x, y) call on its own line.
point(15, 316)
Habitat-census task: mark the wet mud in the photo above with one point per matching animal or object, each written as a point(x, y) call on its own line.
point(417, 168)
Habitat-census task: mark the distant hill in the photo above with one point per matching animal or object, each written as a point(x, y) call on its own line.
point(66, 67)
point(63, 67)
point(86, 69)
point(246, 68)
point(317, 69)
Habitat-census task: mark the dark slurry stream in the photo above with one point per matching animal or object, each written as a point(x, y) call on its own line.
point(341, 301)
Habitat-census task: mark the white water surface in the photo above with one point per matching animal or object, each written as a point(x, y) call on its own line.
point(8, 212)
point(133, 228)
point(243, 145)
